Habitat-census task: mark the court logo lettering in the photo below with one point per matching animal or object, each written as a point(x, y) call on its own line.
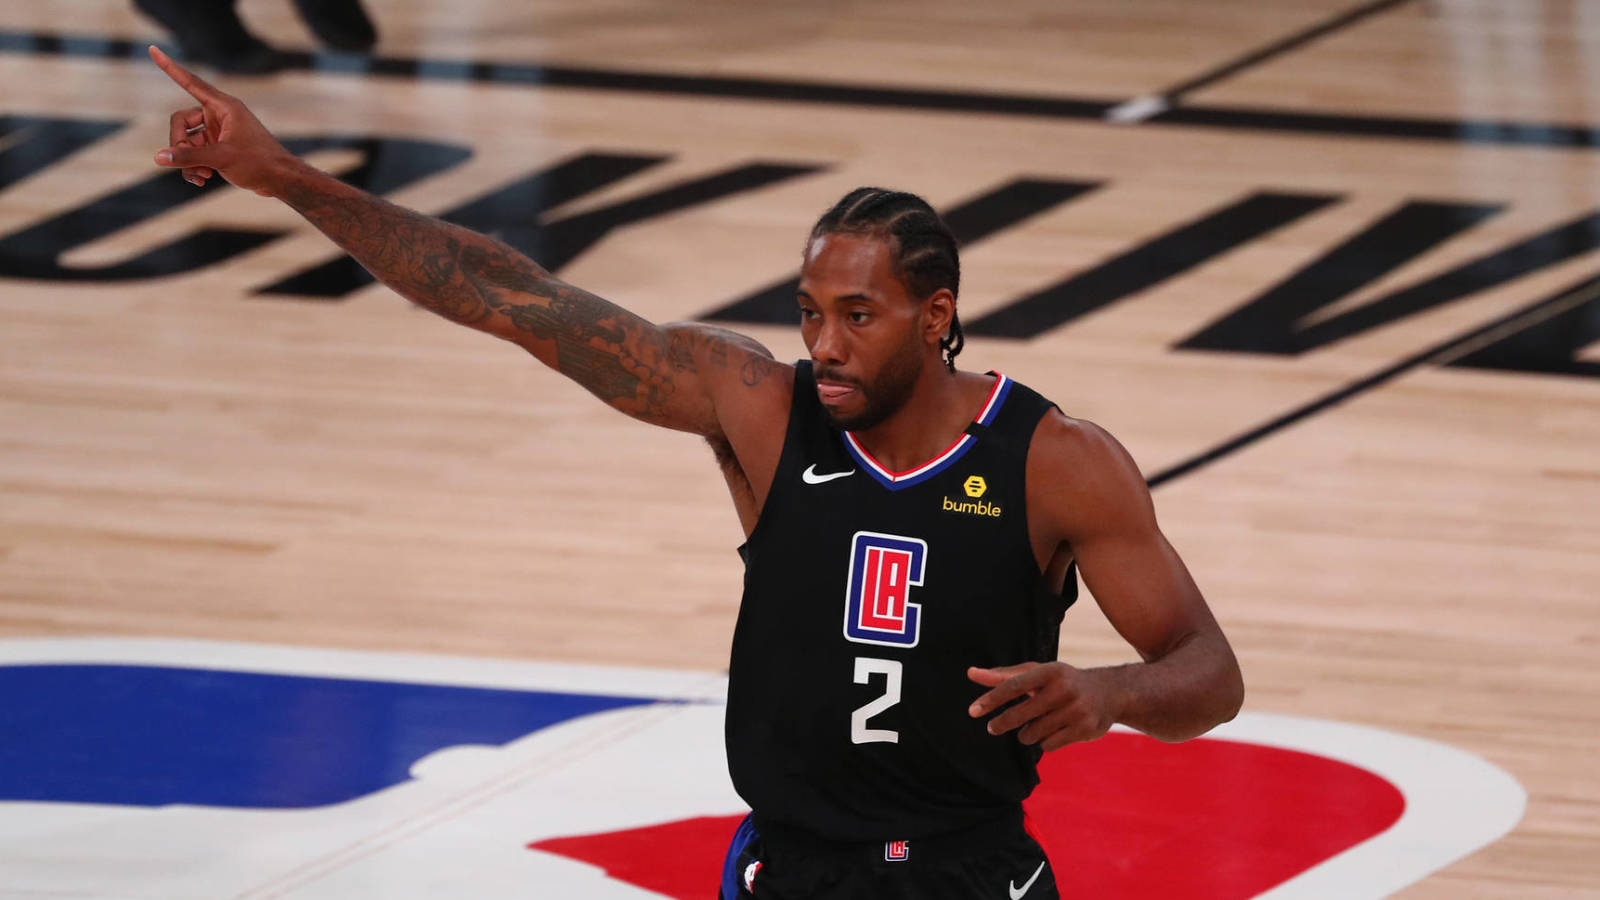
point(1272, 321)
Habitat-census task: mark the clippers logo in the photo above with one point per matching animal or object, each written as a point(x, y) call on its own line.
point(896, 851)
point(883, 570)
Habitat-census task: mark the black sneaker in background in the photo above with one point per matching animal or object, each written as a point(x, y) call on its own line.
point(210, 32)
point(340, 24)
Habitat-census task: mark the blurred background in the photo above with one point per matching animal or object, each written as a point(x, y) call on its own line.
point(1328, 269)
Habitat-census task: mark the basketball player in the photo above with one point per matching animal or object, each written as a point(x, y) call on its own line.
point(912, 532)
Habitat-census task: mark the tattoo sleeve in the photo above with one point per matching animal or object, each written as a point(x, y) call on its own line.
point(630, 363)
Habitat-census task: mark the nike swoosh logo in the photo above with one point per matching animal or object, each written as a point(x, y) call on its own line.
point(1017, 892)
point(810, 476)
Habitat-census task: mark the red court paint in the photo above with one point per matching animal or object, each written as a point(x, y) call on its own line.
point(1125, 816)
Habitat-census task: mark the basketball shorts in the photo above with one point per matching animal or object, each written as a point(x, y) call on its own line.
point(1000, 861)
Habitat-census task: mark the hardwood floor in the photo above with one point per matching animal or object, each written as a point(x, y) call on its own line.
point(184, 453)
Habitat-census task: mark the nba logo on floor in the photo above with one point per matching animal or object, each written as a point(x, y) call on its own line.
point(897, 851)
point(883, 570)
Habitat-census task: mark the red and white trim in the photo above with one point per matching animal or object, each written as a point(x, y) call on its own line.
point(896, 480)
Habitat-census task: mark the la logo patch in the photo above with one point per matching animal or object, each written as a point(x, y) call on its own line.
point(883, 570)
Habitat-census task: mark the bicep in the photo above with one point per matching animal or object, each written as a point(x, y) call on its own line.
point(647, 371)
point(1106, 517)
point(668, 375)
point(1144, 589)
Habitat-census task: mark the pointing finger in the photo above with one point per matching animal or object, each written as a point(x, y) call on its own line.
point(194, 84)
point(1008, 683)
point(992, 677)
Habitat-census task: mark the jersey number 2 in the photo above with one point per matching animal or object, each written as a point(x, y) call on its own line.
point(866, 667)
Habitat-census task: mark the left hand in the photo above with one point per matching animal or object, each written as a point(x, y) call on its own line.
point(1064, 705)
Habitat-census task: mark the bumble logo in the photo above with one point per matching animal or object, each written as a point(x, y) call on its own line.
point(974, 487)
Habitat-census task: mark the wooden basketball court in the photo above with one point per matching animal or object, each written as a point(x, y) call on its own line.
point(1328, 270)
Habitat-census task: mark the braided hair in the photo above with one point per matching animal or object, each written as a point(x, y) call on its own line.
point(924, 249)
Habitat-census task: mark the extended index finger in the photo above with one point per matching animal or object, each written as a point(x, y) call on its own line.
point(197, 87)
point(1021, 679)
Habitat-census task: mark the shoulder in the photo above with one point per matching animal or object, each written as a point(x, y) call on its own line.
point(1080, 476)
point(700, 334)
point(1076, 449)
point(727, 359)
point(749, 392)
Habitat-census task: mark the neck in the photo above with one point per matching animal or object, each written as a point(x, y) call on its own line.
point(940, 407)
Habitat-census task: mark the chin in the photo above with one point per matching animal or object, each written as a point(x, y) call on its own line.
point(859, 420)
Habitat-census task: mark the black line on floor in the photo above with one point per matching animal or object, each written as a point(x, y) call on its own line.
point(1443, 353)
point(1279, 48)
point(1022, 105)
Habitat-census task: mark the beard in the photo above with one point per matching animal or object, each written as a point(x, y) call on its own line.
point(888, 391)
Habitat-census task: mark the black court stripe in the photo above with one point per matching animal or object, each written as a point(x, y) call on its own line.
point(1440, 354)
point(1154, 261)
point(1022, 105)
point(1278, 48)
point(1447, 130)
point(971, 222)
point(606, 79)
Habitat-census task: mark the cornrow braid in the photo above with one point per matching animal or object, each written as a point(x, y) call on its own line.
point(925, 255)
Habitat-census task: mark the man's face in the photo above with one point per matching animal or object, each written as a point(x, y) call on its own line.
point(864, 332)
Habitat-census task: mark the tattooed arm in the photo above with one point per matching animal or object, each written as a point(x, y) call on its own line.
point(687, 377)
point(650, 372)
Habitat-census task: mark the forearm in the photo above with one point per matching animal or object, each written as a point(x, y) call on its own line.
point(480, 282)
point(426, 260)
point(464, 276)
point(1181, 695)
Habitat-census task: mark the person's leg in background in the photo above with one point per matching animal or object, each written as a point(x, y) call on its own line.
point(211, 32)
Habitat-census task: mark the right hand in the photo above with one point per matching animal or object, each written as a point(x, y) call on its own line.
point(234, 143)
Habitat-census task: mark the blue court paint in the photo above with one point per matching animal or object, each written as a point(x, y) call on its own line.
point(152, 735)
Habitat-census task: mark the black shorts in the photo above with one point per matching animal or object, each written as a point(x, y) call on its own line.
point(1000, 861)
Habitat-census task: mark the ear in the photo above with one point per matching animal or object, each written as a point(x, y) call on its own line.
point(937, 312)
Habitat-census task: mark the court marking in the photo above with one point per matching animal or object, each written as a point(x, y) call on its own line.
point(1456, 802)
point(1152, 104)
point(1463, 131)
point(1527, 316)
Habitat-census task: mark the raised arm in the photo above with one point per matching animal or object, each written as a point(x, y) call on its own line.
point(1084, 492)
point(684, 376)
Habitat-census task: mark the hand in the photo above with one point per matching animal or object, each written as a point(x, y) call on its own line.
point(233, 142)
point(1064, 705)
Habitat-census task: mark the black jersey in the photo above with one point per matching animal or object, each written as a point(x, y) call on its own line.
point(867, 595)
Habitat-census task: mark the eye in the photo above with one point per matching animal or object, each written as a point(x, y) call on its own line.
point(859, 316)
point(807, 313)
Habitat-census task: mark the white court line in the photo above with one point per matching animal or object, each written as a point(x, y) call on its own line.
point(1138, 109)
point(1456, 802)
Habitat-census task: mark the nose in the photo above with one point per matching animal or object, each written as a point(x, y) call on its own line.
point(829, 347)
